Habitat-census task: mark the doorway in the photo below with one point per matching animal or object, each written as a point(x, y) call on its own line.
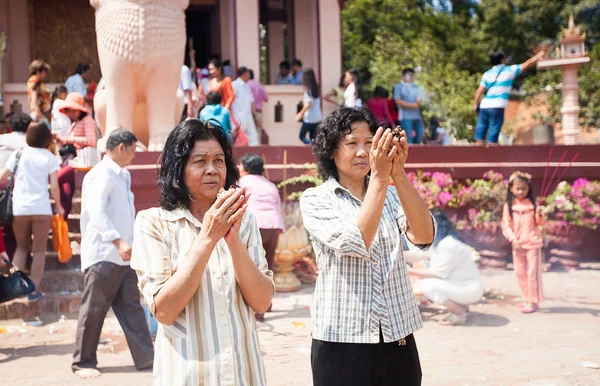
point(202, 27)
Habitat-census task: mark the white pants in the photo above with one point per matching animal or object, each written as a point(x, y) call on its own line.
point(439, 290)
point(246, 121)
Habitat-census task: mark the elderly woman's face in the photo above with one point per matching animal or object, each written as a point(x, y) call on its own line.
point(352, 155)
point(205, 171)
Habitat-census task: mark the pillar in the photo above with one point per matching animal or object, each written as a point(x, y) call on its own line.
point(247, 35)
point(14, 19)
point(305, 29)
point(226, 23)
point(570, 106)
point(330, 42)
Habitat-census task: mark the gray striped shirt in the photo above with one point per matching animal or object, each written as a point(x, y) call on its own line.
point(214, 340)
point(358, 290)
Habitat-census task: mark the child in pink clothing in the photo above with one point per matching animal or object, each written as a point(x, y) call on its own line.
point(521, 221)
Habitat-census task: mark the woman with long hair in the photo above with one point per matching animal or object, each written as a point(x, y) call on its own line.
point(311, 114)
point(353, 89)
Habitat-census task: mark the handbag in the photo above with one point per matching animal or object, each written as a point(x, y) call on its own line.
point(60, 237)
point(6, 196)
point(14, 285)
point(488, 89)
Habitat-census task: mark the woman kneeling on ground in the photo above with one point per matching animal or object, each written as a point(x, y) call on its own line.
point(452, 278)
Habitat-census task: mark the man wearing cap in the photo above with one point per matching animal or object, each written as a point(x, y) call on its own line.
point(107, 216)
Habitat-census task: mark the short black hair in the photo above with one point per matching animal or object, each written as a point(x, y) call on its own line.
point(497, 58)
point(408, 70)
point(285, 64)
point(120, 136)
point(332, 130)
point(38, 135)
point(297, 62)
point(241, 71)
point(253, 164)
point(81, 68)
point(251, 74)
point(381, 92)
point(214, 98)
point(174, 193)
point(20, 122)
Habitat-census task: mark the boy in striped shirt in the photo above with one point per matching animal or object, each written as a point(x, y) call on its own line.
point(495, 87)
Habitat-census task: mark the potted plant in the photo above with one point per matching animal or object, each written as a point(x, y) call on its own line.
point(481, 227)
point(571, 211)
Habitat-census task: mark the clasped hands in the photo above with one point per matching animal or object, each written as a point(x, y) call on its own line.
point(224, 218)
point(388, 154)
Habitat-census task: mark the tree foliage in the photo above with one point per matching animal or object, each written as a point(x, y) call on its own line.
point(451, 41)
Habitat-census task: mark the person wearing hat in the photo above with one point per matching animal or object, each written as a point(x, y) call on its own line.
point(83, 127)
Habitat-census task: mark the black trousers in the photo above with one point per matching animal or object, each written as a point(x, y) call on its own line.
point(350, 364)
point(111, 285)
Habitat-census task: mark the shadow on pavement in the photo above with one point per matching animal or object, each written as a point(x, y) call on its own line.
point(474, 319)
point(570, 310)
point(12, 354)
point(121, 369)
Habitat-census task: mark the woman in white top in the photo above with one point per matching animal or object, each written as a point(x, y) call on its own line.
point(452, 278)
point(352, 93)
point(311, 114)
point(61, 123)
point(31, 203)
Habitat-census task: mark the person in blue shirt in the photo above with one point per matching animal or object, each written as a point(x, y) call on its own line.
point(213, 111)
point(408, 100)
point(492, 94)
point(284, 76)
point(297, 72)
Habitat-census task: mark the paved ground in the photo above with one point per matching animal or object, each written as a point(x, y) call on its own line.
point(499, 346)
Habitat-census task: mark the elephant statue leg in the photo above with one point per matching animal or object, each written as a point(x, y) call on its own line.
point(122, 90)
point(161, 100)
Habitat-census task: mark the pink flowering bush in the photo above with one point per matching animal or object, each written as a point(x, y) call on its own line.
point(577, 204)
point(484, 198)
point(438, 190)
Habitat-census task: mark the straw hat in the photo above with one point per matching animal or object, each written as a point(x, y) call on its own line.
point(74, 101)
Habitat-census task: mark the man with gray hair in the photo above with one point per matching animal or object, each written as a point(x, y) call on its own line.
point(107, 217)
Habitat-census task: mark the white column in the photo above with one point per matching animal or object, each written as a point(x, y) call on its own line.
point(248, 40)
point(274, 48)
point(305, 27)
point(570, 107)
point(226, 22)
point(330, 36)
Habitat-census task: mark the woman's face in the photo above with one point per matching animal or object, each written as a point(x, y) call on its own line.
point(213, 71)
point(352, 155)
point(43, 75)
point(519, 189)
point(73, 114)
point(61, 95)
point(205, 172)
point(348, 78)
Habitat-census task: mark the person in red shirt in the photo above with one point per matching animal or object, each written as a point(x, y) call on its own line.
point(378, 105)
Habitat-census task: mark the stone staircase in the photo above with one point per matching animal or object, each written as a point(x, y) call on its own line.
point(62, 284)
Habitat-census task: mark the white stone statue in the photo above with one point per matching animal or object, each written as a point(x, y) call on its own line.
point(141, 46)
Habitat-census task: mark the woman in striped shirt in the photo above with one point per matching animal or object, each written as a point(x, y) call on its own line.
point(201, 265)
point(83, 128)
point(364, 311)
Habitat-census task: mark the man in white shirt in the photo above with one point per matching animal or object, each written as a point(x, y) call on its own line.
point(16, 140)
point(107, 217)
point(76, 82)
point(243, 105)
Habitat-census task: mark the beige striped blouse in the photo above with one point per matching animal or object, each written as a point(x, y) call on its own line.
point(214, 341)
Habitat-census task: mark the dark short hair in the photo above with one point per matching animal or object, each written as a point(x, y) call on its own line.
point(381, 92)
point(253, 164)
point(37, 66)
point(241, 71)
point(285, 64)
point(332, 130)
point(297, 62)
point(20, 122)
point(497, 58)
point(81, 68)
point(251, 74)
point(174, 193)
point(120, 136)
point(214, 98)
point(408, 70)
point(38, 135)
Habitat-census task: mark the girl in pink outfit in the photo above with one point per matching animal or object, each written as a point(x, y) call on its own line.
point(521, 222)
